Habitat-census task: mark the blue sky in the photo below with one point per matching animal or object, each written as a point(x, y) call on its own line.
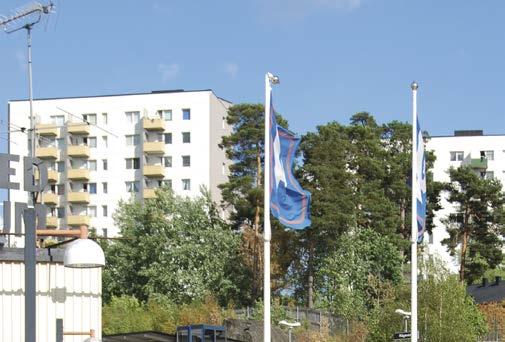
point(334, 57)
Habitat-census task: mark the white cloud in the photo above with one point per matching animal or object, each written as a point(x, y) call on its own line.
point(231, 69)
point(168, 72)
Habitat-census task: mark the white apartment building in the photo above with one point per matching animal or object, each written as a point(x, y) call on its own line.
point(484, 153)
point(103, 149)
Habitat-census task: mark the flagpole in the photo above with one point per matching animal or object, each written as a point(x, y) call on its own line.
point(415, 189)
point(267, 234)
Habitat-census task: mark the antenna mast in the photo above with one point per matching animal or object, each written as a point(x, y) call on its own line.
point(26, 18)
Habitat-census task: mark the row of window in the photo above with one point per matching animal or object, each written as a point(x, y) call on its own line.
point(460, 155)
point(134, 139)
point(134, 163)
point(90, 211)
point(134, 186)
point(131, 117)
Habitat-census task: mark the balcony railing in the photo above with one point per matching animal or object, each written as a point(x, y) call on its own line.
point(78, 174)
point(52, 221)
point(154, 147)
point(52, 176)
point(78, 151)
point(46, 152)
point(78, 220)
point(78, 197)
point(49, 198)
point(155, 124)
point(78, 128)
point(479, 163)
point(149, 193)
point(157, 171)
point(46, 129)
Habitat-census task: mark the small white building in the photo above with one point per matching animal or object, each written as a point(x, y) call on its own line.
point(484, 153)
point(71, 294)
point(102, 149)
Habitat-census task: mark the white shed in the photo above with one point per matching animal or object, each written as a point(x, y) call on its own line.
point(74, 295)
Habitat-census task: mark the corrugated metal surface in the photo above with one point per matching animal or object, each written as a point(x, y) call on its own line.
point(71, 294)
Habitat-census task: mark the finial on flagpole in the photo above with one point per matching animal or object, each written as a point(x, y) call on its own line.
point(274, 79)
point(414, 85)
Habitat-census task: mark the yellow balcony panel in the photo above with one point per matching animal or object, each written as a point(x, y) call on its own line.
point(154, 171)
point(52, 221)
point(78, 197)
point(46, 152)
point(154, 147)
point(153, 124)
point(46, 129)
point(52, 176)
point(78, 174)
point(78, 220)
point(78, 128)
point(78, 151)
point(49, 198)
point(149, 193)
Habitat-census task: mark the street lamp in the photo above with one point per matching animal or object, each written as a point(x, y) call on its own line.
point(290, 327)
point(406, 315)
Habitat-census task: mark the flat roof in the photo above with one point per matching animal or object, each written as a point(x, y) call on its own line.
point(153, 92)
point(43, 254)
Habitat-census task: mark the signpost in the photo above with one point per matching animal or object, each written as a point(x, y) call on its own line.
point(402, 335)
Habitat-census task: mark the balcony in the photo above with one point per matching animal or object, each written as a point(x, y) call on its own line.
point(78, 220)
point(81, 151)
point(52, 176)
point(154, 147)
point(78, 128)
point(153, 124)
point(149, 193)
point(46, 152)
point(46, 130)
point(52, 221)
point(78, 197)
point(78, 174)
point(49, 198)
point(157, 171)
point(478, 163)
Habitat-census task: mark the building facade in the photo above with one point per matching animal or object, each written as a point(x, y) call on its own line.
point(484, 153)
point(103, 149)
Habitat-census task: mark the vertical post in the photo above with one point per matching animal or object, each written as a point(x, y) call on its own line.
point(30, 91)
point(30, 262)
point(267, 234)
point(59, 330)
point(413, 238)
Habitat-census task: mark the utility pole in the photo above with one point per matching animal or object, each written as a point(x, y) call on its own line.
point(26, 18)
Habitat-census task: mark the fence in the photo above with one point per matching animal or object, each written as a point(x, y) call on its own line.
point(315, 318)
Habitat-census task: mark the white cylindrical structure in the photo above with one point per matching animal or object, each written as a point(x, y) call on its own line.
point(415, 189)
point(267, 234)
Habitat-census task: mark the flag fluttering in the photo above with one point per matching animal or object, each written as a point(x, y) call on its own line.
point(289, 203)
point(421, 188)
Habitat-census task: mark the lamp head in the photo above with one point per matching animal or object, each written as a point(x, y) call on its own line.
point(289, 324)
point(414, 85)
point(84, 253)
point(403, 313)
point(274, 79)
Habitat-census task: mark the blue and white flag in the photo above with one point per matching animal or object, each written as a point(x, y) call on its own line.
point(289, 203)
point(421, 185)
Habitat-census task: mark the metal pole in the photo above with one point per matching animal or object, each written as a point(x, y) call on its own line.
point(267, 234)
point(413, 238)
point(30, 264)
point(30, 92)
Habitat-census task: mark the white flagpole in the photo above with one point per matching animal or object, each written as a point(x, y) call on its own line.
point(415, 189)
point(267, 234)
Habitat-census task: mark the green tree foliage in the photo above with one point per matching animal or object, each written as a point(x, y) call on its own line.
point(243, 195)
point(175, 246)
point(476, 226)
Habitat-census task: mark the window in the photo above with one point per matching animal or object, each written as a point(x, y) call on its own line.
point(58, 120)
point(168, 138)
point(92, 211)
point(132, 140)
point(52, 189)
point(167, 183)
point(89, 118)
point(488, 154)
point(105, 141)
point(104, 118)
point(186, 114)
point(489, 175)
point(186, 161)
point(61, 212)
point(104, 232)
point(92, 141)
point(186, 137)
point(104, 164)
point(61, 166)
point(167, 161)
point(132, 117)
point(61, 189)
point(165, 114)
point(92, 165)
point(132, 186)
point(186, 184)
point(92, 188)
point(132, 163)
point(104, 187)
point(104, 211)
point(60, 143)
point(457, 155)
